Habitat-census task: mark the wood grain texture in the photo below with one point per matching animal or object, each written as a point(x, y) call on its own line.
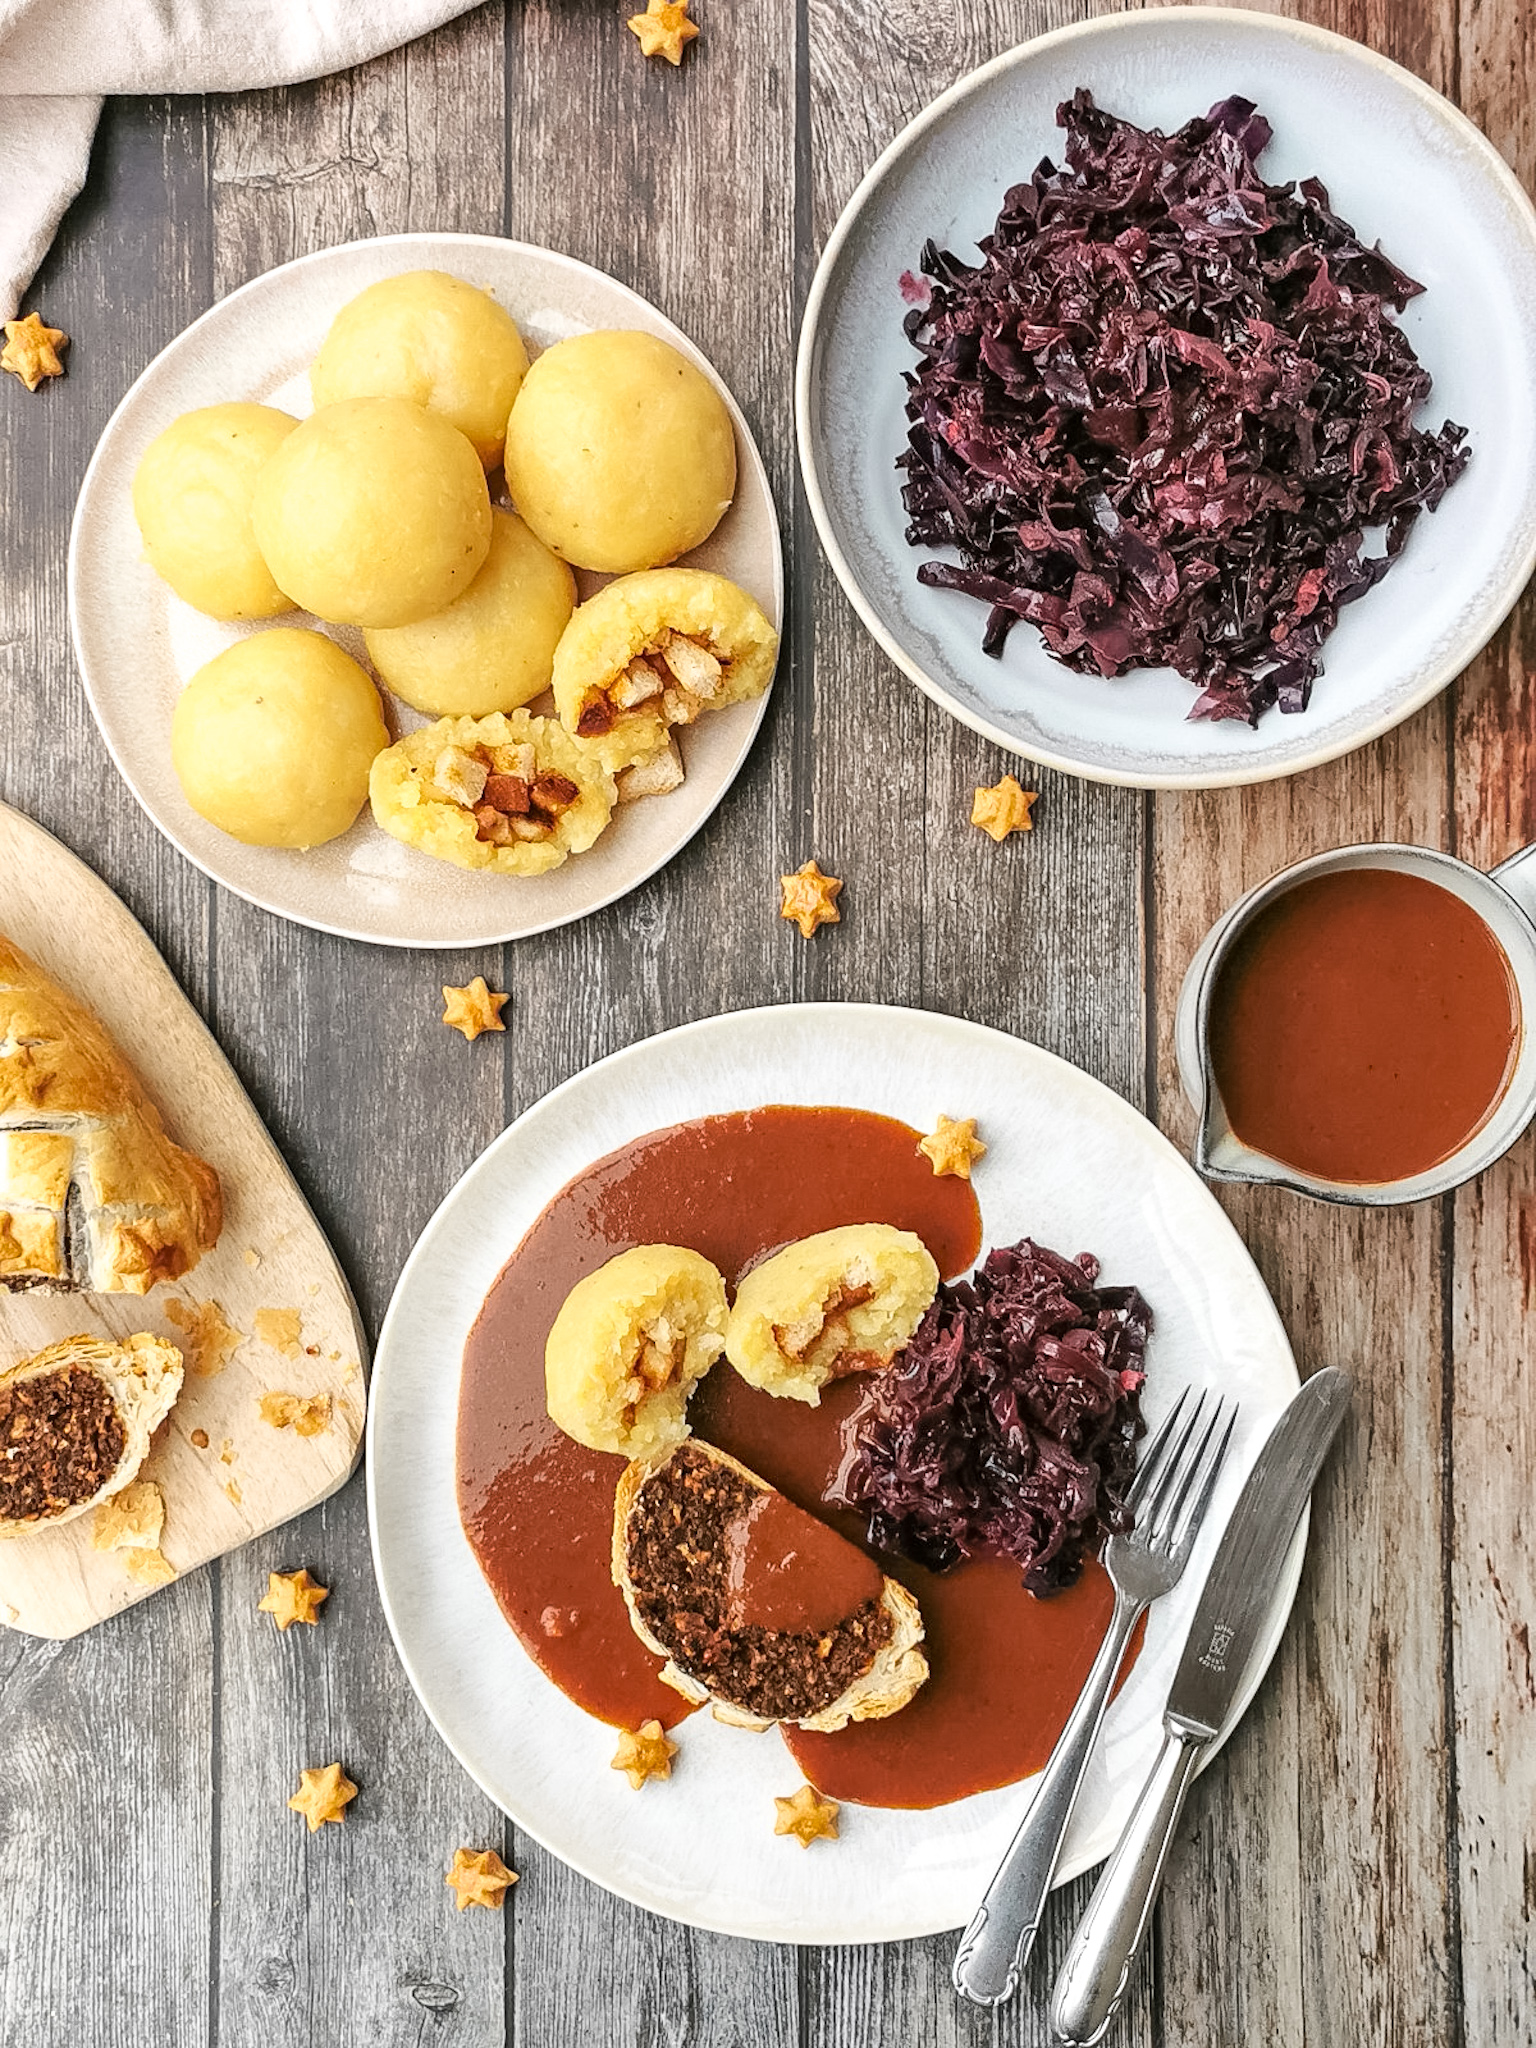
point(1356, 1868)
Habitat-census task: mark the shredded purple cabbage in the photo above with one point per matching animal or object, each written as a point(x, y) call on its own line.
point(1159, 417)
point(1010, 1422)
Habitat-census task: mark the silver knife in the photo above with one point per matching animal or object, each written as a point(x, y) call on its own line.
point(1229, 1619)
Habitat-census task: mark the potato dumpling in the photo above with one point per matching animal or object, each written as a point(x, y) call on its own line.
point(511, 793)
point(620, 454)
point(373, 512)
point(192, 499)
point(435, 340)
point(493, 648)
point(273, 738)
point(628, 1346)
point(841, 1302)
point(656, 650)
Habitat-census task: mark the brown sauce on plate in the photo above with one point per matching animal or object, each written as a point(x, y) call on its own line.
point(538, 1508)
point(1364, 1026)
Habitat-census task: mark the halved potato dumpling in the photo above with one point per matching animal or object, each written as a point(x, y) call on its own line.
point(629, 1345)
point(841, 1302)
point(511, 793)
point(657, 650)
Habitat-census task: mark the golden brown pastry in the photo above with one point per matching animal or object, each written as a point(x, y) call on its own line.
point(758, 1608)
point(94, 1196)
point(75, 1425)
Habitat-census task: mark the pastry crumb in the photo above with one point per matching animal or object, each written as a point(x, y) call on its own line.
point(200, 1439)
point(806, 1816)
point(233, 1491)
point(148, 1566)
point(227, 1451)
point(280, 1328)
point(212, 1338)
point(643, 1753)
point(131, 1520)
point(479, 1877)
point(304, 1414)
point(252, 1257)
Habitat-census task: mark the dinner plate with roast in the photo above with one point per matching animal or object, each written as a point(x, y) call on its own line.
point(645, 1396)
point(1164, 397)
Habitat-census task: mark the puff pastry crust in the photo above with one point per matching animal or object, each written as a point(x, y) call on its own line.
point(94, 1196)
point(51, 1468)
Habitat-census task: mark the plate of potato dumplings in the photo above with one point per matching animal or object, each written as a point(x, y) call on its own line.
point(427, 590)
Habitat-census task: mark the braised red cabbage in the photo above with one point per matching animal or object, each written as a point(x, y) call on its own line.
point(1165, 415)
point(1009, 1424)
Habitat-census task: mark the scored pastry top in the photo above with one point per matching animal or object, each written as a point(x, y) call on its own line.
point(94, 1195)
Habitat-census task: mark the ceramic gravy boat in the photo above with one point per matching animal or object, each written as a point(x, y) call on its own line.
point(1506, 902)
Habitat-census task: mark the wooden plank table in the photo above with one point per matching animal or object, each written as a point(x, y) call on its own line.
point(1357, 1868)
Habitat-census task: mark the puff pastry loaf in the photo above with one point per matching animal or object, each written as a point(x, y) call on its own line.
point(93, 1194)
point(75, 1425)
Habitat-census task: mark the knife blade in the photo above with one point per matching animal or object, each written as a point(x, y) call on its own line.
point(1240, 1587)
point(1229, 1618)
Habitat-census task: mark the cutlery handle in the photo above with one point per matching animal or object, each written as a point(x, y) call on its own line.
point(1104, 1949)
point(994, 1946)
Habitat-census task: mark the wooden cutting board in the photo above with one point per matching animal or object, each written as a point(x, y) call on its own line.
point(278, 1305)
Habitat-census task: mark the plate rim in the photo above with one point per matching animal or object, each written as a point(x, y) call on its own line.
point(1071, 1866)
point(90, 486)
point(1137, 21)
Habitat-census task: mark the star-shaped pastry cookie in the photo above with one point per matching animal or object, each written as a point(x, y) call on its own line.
point(31, 350)
point(291, 1597)
point(644, 1752)
point(1003, 808)
point(664, 29)
point(479, 1877)
point(472, 1009)
point(808, 898)
point(952, 1147)
point(806, 1816)
point(323, 1796)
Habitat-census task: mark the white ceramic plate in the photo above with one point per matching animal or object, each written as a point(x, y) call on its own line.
point(1069, 1162)
point(1401, 164)
point(137, 643)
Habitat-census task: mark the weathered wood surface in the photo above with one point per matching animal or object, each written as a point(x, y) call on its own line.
point(1357, 1867)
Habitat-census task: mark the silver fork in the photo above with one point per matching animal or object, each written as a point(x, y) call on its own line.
point(1168, 1498)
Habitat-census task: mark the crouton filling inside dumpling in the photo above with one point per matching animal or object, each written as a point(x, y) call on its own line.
point(841, 1302)
point(629, 1345)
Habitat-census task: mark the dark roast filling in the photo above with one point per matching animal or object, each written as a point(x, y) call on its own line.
point(679, 1551)
point(60, 1437)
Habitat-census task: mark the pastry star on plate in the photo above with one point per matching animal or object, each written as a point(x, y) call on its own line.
point(644, 1752)
point(479, 1877)
point(1003, 808)
point(952, 1147)
point(291, 1597)
point(664, 29)
point(806, 1816)
point(31, 350)
point(323, 1796)
point(808, 898)
point(473, 1008)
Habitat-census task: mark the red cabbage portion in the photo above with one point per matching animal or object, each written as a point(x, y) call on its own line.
point(1161, 415)
point(1010, 1422)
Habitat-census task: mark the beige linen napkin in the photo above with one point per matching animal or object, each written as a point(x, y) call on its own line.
point(59, 57)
